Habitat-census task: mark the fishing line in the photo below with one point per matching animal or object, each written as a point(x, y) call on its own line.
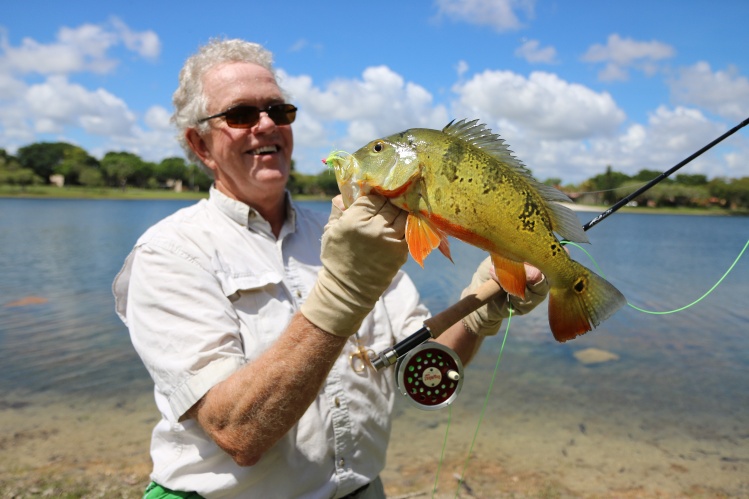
point(481, 414)
point(444, 446)
point(653, 312)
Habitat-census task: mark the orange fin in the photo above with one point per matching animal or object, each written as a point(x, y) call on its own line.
point(444, 248)
point(511, 275)
point(578, 308)
point(422, 237)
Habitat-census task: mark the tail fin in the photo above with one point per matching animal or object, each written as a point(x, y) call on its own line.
point(577, 309)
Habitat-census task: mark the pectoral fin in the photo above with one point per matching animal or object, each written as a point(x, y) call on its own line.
point(511, 275)
point(422, 237)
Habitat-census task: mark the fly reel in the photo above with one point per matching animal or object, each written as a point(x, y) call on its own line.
point(430, 376)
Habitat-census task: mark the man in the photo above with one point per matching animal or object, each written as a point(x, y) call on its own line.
point(246, 319)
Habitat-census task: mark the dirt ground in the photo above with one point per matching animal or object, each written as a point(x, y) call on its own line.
point(90, 449)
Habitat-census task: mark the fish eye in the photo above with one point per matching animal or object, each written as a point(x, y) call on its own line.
point(378, 147)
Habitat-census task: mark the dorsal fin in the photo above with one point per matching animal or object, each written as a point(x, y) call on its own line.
point(564, 221)
point(478, 135)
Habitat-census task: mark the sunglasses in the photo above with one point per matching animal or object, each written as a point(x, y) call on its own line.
point(244, 116)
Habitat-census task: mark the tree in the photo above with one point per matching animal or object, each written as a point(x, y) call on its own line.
point(606, 184)
point(687, 179)
point(43, 157)
point(91, 177)
point(198, 178)
point(119, 167)
point(12, 173)
point(171, 169)
point(648, 175)
point(74, 161)
point(733, 192)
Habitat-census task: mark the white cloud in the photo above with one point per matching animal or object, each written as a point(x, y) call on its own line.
point(542, 105)
point(502, 15)
point(621, 54)
point(725, 93)
point(532, 52)
point(669, 136)
point(348, 113)
point(57, 103)
point(85, 48)
point(144, 43)
point(157, 118)
point(461, 68)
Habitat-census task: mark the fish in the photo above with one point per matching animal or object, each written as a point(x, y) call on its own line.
point(464, 182)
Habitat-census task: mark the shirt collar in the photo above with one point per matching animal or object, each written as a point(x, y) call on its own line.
point(246, 215)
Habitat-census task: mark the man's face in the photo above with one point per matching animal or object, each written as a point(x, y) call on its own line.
point(251, 165)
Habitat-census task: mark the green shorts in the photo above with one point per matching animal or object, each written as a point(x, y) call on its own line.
point(156, 491)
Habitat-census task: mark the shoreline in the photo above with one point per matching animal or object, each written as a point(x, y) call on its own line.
point(70, 446)
point(133, 194)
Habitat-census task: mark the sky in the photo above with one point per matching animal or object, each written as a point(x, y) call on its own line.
point(572, 86)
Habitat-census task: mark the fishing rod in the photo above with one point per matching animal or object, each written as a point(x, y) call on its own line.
point(436, 325)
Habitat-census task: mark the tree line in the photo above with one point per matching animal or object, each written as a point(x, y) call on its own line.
point(67, 164)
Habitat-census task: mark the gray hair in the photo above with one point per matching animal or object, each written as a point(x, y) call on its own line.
point(190, 103)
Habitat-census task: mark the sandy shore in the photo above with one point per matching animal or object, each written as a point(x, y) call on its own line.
point(99, 448)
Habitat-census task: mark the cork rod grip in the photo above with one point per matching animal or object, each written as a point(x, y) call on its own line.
point(440, 322)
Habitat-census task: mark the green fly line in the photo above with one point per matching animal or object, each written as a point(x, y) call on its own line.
point(481, 415)
point(695, 302)
point(502, 347)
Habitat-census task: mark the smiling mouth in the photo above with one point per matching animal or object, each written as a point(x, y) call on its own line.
point(263, 150)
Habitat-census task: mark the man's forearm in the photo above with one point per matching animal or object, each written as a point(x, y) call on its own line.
point(462, 341)
point(250, 411)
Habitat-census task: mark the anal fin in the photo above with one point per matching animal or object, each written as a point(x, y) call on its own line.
point(511, 275)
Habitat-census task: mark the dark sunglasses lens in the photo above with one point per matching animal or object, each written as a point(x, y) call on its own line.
point(242, 117)
point(282, 114)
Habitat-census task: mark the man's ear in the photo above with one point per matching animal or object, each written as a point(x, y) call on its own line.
point(199, 147)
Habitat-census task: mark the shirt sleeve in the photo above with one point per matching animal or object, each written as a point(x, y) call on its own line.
point(181, 324)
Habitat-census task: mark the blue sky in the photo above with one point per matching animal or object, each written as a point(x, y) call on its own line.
point(572, 86)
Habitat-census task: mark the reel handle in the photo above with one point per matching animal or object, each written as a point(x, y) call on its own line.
point(436, 325)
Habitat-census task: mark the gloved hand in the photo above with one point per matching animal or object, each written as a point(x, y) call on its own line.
point(488, 318)
point(362, 250)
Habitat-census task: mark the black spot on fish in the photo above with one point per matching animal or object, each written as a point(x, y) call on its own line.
point(451, 159)
point(529, 214)
point(579, 285)
point(438, 196)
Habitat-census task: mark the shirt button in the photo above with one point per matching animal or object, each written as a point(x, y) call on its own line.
point(298, 293)
point(337, 402)
point(341, 463)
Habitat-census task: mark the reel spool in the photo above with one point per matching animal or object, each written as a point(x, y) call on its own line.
point(430, 376)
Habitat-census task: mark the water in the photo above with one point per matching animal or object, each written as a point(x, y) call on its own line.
point(685, 372)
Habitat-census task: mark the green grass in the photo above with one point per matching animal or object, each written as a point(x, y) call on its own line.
point(53, 192)
point(75, 192)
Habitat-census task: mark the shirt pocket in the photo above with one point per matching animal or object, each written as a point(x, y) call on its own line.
point(262, 305)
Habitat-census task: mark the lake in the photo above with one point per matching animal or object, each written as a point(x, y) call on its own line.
point(670, 414)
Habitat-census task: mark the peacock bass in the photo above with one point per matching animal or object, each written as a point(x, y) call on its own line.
point(464, 182)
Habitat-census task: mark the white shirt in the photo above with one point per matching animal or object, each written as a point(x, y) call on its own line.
point(207, 290)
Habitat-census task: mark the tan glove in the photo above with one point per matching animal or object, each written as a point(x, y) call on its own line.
point(362, 250)
point(488, 318)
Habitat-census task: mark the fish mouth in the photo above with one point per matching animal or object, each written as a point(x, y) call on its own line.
point(346, 169)
point(263, 150)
